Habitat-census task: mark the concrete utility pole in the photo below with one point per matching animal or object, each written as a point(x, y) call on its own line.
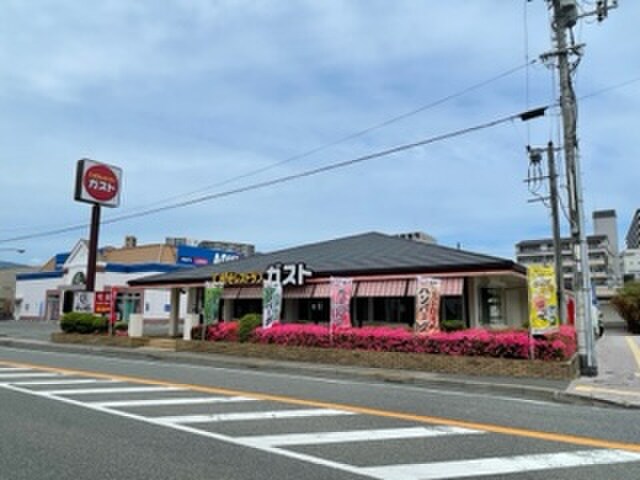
point(557, 239)
point(565, 16)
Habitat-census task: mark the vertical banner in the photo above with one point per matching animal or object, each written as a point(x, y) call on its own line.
point(543, 299)
point(271, 303)
point(212, 295)
point(427, 305)
point(340, 293)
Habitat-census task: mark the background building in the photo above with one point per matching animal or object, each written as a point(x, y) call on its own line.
point(8, 272)
point(633, 234)
point(48, 292)
point(604, 259)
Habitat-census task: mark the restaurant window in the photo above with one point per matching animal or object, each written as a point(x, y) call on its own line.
point(492, 307)
point(452, 308)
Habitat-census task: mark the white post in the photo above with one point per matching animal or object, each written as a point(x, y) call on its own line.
point(174, 316)
point(136, 323)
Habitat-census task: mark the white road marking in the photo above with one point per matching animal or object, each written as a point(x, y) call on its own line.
point(532, 462)
point(499, 465)
point(89, 391)
point(70, 381)
point(244, 416)
point(27, 375)
point(170, 401)
point(354, 436)
point(15, 369)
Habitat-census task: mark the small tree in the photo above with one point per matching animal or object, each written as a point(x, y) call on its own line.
point(627, 304)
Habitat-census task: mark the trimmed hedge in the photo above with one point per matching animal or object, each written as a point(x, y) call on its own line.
point(473, 342)
point(79, 322)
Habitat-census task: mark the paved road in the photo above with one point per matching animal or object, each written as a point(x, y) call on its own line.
point(80, 416)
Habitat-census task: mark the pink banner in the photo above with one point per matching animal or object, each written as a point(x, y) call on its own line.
point(340, 293)
point(427, 305)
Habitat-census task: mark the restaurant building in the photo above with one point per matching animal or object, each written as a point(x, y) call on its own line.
point(480, 290)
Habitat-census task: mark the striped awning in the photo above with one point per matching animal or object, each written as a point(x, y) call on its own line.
point(382, 288)
point(450, 287)
point(321, 290)
point(250, 292)
point(230, 293)
point(305, 291)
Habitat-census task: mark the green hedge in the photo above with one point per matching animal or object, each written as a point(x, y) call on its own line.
point(247, 325)
point(79, 322)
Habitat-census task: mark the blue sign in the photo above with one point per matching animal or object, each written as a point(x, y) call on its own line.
point(198, 256)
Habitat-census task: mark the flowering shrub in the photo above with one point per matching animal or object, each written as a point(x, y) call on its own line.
point(560, 345)
point(223, 331)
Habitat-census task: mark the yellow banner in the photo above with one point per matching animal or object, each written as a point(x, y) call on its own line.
point(543, 298)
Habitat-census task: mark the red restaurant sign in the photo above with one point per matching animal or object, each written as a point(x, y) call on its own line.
point(102, 303)
point(98, 183)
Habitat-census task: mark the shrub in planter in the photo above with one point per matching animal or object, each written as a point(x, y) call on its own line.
point(121, 326)
point(247, 325)
point(219, 332)
point(79, 322)
point(452, 325)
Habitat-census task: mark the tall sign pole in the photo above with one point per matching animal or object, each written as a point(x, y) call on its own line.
point(565, 16)
point(98, 184)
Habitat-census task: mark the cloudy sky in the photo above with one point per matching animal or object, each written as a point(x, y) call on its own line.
point(196, 97)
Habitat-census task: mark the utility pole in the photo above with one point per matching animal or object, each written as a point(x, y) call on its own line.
point(565, 16)
point(557, 240)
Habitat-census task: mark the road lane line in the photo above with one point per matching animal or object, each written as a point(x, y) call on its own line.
point(322, 438)
point(27, 375)
point(499, 465)
point(428, 419)
point(14, 369)
point(170, 401)
point(70, 381)
point(589, 388)
point(195, 431)
point(89, 391)
point(245, 416)
point(635, 350)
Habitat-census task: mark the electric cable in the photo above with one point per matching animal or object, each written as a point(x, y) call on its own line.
point(524, 116)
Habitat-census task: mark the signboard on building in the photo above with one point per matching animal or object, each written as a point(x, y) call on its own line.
point(102, 303)
point(83, 302)
point(189, 255)
point(543, 298)
point(287, 274)
point(98, 183)
point(235, 278)
point(427, 305)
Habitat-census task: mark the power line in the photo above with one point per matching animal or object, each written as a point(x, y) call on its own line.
point(524, 116)
point(351, 136)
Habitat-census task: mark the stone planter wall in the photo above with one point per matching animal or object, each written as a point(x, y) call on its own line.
point(481, 366)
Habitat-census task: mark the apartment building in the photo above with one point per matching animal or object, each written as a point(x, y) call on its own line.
point(602, 249)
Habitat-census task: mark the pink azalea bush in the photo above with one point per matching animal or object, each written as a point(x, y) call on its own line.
point(220, 332)
point(560, 345)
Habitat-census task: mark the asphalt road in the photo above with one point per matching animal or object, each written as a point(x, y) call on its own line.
point(79, 416)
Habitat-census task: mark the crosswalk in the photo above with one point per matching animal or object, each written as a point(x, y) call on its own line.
point(322, 436)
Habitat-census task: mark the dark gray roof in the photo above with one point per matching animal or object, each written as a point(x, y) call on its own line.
point(368, 253)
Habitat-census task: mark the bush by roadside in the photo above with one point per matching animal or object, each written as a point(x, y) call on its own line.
point(515, 344)
point(627, 304)
point(78, 322)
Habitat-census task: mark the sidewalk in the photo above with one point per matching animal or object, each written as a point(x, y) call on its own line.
point(618, 382)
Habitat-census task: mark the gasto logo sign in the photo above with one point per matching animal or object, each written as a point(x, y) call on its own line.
point(98, 183)
point(101, 183)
